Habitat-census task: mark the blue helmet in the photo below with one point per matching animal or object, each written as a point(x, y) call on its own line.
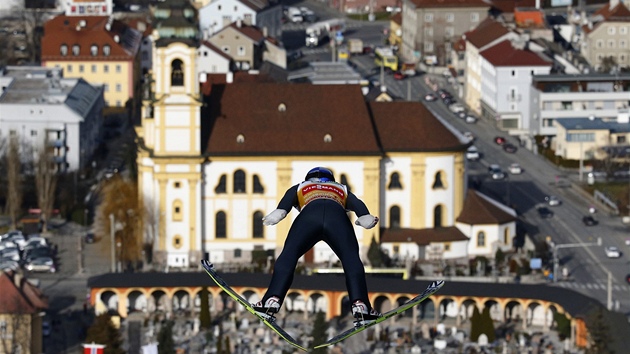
point(320, 174)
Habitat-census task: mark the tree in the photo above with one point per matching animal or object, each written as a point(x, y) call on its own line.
point(45, 184)
point(374, 253)
point(204, 314)
point(119, 197)
point(563, 325)
point(14, 181)
point(319, 332)
point(103, 332)
point(166, 345)
point(487, 325)
point(475, 325)
point(598, 333)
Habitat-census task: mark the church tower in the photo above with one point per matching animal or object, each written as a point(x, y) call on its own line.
point(169, 160)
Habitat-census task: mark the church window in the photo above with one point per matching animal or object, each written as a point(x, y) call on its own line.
point(437, 216)
point(221, 186)
point(258, 225)
point(394, 217)
point(258, 187)
point(239, 181)
point(394, 181)
point(220, 224)
point(177, 73)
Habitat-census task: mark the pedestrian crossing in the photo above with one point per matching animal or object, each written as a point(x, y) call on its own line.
point(593, 286)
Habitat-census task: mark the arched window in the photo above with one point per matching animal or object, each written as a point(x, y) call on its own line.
point(239, 181)
point(76, 50)
point(437, 183)
point(177, 73)
point(220, 224)
point(258, 225)
point(481, 239)
point(394, 181)
point(63, 50)
point(344, 180)
point(394, 217)
point(258, 187)
point(178, 241)
point(221, 187)
point(437, 216)
point(178, 210)
point(93, 50)
point(107, 50)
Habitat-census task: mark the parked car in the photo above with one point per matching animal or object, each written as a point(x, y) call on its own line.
point(36, 253)
point(41, 264)
point(499, 140)
point(471, 119)
point(589, 220)
point(448, 100)
point(444, 94)
point(495, 172)
point(552, 200)
point(10, 253)
point(612, 252)
point(430, 97)
point(9, 265)
point(399, 75)
point(456, 108)
point(545, 212)
point(509, 148)
point(515, 169)
point(472, 153)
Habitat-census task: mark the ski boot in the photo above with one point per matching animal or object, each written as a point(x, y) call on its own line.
point(268, 309)
point(363, 315)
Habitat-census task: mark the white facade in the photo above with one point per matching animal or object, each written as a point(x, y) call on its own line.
point(211, 61)
point(220, 13)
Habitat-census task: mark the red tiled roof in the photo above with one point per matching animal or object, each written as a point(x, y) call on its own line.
point(253, 32)
point(508, 6)
point(423, 237)
point(449, 3)
point(529, 18)
point(487, 31)
point(409, 126)
point(287, 119)
point(25, 299)
point(504, 54)
point(68, 30)
point(397, 18)
point(618, 13)
point(478, 210)
point(238, 76)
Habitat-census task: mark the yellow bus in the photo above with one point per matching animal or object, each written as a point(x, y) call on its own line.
point(386, 58)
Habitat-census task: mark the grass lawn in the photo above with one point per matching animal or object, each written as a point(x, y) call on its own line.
point(616, 191)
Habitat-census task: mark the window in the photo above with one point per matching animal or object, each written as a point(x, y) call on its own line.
point(225, 49)
point(611, 43)
point(177, 241)
point(428, 31)
point(621, 139)
point(94, 50)
point(106, 50)
point(220, 224)
point(611, 30)
point(33, 132)
point(238, 253)
point(118, 87)
point(81, 68)
point(93, 68)
point(447, 246)
point(394, 181)
point(428, 17)
point(221, 187)
point(623, 43)
point(437, 182)
point(599, 43)
point(437, 216)
point(241, 51)
point(449, 31)
point(177, 73)
point(105, 68)
point(63, 50)
point(258, 225)
point(566, 105)
point(581, 137)
point(177, 185)
point(623, 30)
point(239, 181)
point(106, 87)
point(258, 187)
point(481, 239)
point(394, 217)
point(428, 47)
point(450, 17)
point(76, 50)
point(474, 17)
point(513, 73)
point(178, 214)
point(118, 69)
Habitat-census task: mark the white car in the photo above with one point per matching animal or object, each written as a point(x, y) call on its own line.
point(552, 200)
point(495, 172)
point(471, 119)
point(456, 108)
point(472, 153)
point(612, 252)
point(515, 169)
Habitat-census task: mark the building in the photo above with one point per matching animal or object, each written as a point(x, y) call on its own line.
point(592, 138)
point(431, 27)
point(87, 7)
point(98, 49)
point(245, 44)
point(21, 306)
point(212, 60)
point(506, 78)
point(607, 36)
point(265, 14)
point(555, 97)
point(40, 106)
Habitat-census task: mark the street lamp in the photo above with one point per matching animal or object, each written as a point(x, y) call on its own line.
point(112, 233)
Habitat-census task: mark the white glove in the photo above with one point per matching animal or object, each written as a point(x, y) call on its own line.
point(274, 217)
point(367, 221)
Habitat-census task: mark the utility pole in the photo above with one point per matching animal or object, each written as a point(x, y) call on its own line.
point(112, 232)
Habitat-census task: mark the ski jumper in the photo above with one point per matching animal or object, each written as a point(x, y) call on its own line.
point(322, 217)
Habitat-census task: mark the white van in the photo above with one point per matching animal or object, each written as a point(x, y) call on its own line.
point(294, 15)
point(472, 153)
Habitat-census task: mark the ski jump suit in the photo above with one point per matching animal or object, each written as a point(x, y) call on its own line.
point(322, 217)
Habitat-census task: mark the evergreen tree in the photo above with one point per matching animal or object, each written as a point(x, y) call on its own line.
point(103, 332)
point(598, 334)
point(487, 325)
point(204, 314)
point(166, 345)
point(475, 325)
point(563, 325)
point(374, 253)
point(319, 332)
point(227, 345)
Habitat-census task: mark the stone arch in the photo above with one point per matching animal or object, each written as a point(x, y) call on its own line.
point(549, 316)
point(447, 308)
point(382, 303)
point(110, 301)
point(136, 301)
point(426, 310)
point(401, 301)
point(466, 309)
point(159, 302)
point(197, 302)
point(535, 314)
point(513, 311)
point(496, 314)
point(317, 302)
point(181, 301)
point(295, 302)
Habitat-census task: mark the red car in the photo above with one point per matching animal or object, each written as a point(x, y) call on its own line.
point(499, 140)
point(399, 76)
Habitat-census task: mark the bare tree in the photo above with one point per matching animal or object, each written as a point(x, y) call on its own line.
point(45, 184)
point(14, 181)
point(119, 197)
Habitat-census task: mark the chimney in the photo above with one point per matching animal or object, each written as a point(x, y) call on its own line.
point(239, 23)
point(17, 280)
point(265, 32)
point(229, 77)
